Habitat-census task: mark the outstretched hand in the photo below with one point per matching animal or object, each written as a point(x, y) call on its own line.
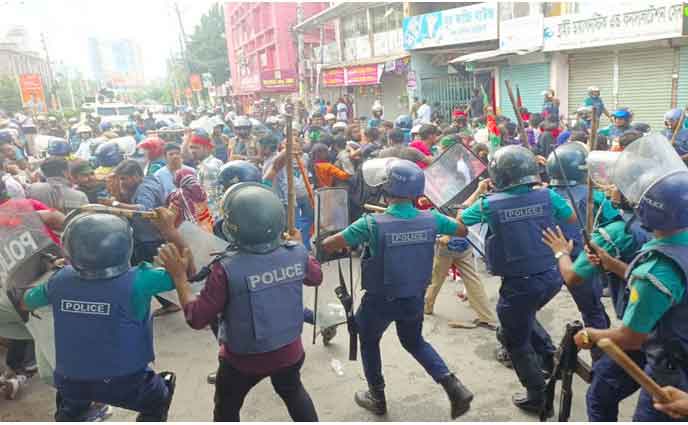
point(556, 241)
point(677, 408)
point(172, 260)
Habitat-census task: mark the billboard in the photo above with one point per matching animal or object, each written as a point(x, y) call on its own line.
point(31, 87)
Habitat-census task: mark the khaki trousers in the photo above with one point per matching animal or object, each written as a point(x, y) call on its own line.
point(475, 292)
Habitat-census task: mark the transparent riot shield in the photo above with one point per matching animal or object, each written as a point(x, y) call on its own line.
point(27, 258)
point(642, 163)
point(204, 247)
point(600, 166)
point(126, 144)
point(333, 303)
point(451, 177)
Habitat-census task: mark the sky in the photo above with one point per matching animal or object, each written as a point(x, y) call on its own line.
point(68, 24)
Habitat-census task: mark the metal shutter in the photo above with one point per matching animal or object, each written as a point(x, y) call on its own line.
point(590, 69)
point(532, 79)
point(645, 84)
point(682, 78)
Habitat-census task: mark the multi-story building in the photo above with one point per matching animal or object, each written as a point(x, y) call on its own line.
point(17, 59)
point(366, 60)
point(262, 48)
point(116, 63)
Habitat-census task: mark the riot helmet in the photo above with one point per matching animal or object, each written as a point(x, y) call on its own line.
point(242, 126)
point(254, 217)
point(652, 176)
point(105, 126)
point(108, 154)
point(98, 246)
point(58, 147)
point(404, 122)
point(592, 90)
point(641, 127)
point(238, 171)
point(399, 178)
point(573, 156)
point(512, 166)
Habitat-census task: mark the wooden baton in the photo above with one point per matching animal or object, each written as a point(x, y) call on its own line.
point(375, 208)
point(519, 118)
point(591, 146)
point(678, 127)
point(147, 215)
point(633, 370)
point(291, 193)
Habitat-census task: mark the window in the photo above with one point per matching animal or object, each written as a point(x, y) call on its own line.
point(128, 110)
point(355, 26)
point(263, 59)
point(107, 112)
point(387, 18)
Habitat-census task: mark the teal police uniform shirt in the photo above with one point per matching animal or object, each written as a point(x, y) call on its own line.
point(364, 230)
point(479, 211)
point(613, 239)
point(149, 281)
point(649, 301)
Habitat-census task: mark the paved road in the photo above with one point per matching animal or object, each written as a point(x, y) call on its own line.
point(411, 394)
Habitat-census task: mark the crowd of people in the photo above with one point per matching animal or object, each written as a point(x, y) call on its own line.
point(226, 173)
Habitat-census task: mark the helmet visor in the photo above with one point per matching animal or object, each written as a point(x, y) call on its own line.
point(375, 171)
point(642, 163)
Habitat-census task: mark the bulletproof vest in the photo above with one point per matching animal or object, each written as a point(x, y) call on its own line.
point(515, 247)
point(264, 311)
point(572, 231)
point(618, 288)
point(616, 131)
point(97, 334)
point(668, 341)
point(402, 264)
point(220, 151)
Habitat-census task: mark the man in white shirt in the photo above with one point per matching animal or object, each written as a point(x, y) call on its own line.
point(424, 112)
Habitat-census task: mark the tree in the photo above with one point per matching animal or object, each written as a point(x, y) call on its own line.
point(10, 97)
point(207, 47)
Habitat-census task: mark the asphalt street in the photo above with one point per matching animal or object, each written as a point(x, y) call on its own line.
point(411, 393)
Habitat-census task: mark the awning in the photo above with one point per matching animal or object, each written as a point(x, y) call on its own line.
point(367, 61)
point(336, 11)
point(490, 54)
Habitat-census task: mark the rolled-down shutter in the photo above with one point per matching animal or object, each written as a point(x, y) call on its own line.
point(590, 69)
point(683, 78)
point(645, 84)
point(531, 79)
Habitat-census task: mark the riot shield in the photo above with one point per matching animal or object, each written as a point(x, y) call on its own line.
point(448, 180)
point(642, 163)
point(204, 122)
point(600, 165)
point(25, 246)
point(333, 303)
point(204, 246)
point(126, 144)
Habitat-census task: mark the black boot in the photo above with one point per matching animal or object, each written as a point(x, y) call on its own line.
point(373, 399)
point(460, 397)
point(531, 401)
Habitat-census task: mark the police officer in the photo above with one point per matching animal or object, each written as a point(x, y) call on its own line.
point(243, 146)
point(652, 177)
point(516, 213)
point(404, 123)
point(103, 331)
point(616, 244)
point(54, 128)
point(107, 156)
point(258, 290)
point(595, 100)
point(573, 157)
point(396, 268)
point(672, 119)
point(60, 148)
point(622, 122)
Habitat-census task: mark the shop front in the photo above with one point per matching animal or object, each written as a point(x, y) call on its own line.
point(631, 55)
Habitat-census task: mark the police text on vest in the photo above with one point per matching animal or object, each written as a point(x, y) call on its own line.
point(522, 213)
point(407, 238)
point(282, 274)
point(85, 307)
point(14, 251)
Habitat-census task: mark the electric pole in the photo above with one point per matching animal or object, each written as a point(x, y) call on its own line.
point(184, 48)
point(300, 53)
point(51, 76)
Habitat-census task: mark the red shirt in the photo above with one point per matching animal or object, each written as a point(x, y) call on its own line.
point(19, 204)
point(211, 302)
point(424, 149)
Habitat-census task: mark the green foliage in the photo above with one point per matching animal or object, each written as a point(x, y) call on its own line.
point(207, 47)
point(10, 97)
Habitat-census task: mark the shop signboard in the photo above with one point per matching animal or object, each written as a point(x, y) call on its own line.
point(461, 25)
point(523, 33)
point(661, 20)
point(279, 81)
point(32, 93)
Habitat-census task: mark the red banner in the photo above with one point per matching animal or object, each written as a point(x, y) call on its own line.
point(279, 81)
point(32, 91)
point(362, 75)
point(334, 77)
point(196, 83)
